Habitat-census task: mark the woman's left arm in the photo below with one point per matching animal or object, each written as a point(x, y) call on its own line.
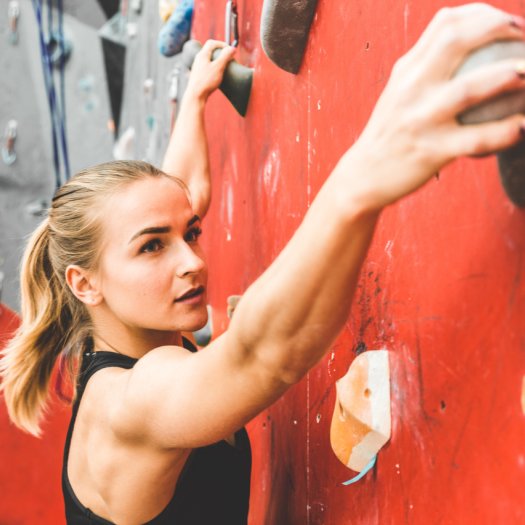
point(187, 153)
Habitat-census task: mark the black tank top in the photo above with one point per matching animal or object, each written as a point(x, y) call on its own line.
point(213, 487)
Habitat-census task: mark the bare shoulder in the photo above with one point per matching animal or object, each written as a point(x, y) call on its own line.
point(160, 355)
point(176, 399)
point(135, 392)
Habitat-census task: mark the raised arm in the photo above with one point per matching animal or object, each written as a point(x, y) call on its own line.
point(187, 153)
point(290, 316)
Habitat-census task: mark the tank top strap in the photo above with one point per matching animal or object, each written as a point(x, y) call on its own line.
point(94, 361)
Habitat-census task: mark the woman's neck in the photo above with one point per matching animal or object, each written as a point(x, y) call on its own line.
point(133, 343)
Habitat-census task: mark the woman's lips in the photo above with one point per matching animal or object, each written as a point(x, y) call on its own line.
point(192, 296)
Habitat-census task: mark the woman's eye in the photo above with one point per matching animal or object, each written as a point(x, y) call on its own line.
point(152, 246)
point(193, 235)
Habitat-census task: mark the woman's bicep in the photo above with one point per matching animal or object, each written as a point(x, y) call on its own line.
point(177, 399)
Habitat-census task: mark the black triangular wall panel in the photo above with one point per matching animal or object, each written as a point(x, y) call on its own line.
point(110, 7)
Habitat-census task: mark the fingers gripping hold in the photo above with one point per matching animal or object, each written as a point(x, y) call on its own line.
point(207, 73)
point(488, 138)
point(454, 32)
point(482, 84)
point(211, 45)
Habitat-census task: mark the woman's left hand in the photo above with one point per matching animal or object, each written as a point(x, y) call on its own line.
point(206, 74)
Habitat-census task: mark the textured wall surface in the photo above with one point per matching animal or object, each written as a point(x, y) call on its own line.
point(442, 288)
point(30, 476)
point(23, 98)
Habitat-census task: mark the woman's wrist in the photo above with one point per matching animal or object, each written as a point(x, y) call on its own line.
point(357, 191)
point(195, 97)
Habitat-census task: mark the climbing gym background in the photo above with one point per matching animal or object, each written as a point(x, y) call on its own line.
point(442, 289)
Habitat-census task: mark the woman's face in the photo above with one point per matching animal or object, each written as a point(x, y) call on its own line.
point(152, 274)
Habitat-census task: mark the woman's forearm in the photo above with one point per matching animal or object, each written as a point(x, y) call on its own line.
point(187, 153)
point(289, 317)
point(292, 313)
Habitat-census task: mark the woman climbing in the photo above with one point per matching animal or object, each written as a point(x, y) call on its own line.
point(115, 276)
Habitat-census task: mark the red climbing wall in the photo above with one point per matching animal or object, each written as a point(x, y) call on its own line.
point(442, 288)
point(30, 468)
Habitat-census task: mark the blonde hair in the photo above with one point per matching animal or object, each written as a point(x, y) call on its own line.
point(54, 322)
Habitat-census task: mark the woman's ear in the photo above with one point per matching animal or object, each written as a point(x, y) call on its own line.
point(83, 285)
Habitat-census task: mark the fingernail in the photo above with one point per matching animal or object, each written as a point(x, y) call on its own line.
point(518, 22)
point(520, 69)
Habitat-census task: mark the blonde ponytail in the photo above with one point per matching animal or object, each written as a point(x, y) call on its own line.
point(54, 322)
point(30, 356)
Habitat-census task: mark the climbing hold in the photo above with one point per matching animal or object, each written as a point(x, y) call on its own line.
point(237, 81)
point(166, 7)
point(174, 79)
point(363, 473)
point(503, 105)
point(361, 420)
point(13, 14)
point(232, 29)
point(177, 29)
point(511, 162)
point(285, 25)
point(38, 208)
point(204, 335)
point(124, 147)
point(149, 87)
point(59, 48)
point(232, 302)
point(149, 96)
point(8, 148)
point(132, 29)
point(136, 6)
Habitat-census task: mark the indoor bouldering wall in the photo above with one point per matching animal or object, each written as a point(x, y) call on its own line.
point(442, 288)
point(28, 183)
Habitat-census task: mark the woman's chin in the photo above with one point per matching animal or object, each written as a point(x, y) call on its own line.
point(196, 321)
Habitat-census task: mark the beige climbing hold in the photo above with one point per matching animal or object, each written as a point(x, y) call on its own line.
point(232, 302)
point(166, 7)
point(361, 422)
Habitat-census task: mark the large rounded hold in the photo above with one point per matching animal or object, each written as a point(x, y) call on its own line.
point(503, 105)
point(511, 162)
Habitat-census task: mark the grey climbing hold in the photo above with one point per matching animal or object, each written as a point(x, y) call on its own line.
point(285, 26)
point(511, 162)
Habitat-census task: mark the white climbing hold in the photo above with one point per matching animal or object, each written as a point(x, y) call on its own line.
point(361, 423)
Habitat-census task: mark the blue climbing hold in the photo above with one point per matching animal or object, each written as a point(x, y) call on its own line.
point(177, 29)
point(363, 473)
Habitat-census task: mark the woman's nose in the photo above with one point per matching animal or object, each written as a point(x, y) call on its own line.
point(189, 261)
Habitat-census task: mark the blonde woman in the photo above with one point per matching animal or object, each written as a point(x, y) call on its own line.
point(115, 275)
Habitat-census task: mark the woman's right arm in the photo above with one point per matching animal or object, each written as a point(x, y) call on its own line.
point(290, 316)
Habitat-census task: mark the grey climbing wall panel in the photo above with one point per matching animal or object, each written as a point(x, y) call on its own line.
point(148, 111)
point(30, 180)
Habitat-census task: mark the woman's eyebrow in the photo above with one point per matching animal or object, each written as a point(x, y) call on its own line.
point(153, 229)
point(162, 229)
point(193, 220)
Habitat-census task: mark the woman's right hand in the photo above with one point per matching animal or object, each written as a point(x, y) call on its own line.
point(413, 131)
